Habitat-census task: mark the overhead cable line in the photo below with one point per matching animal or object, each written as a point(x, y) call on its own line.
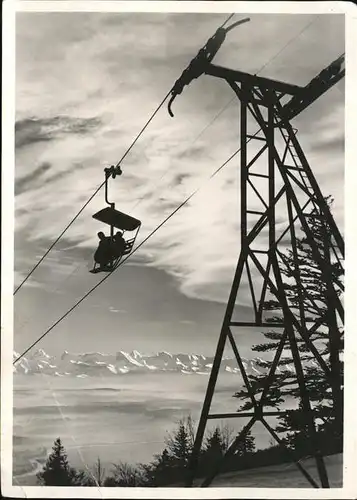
point(139, 201)
point(100, 186)
point(234, 97)
point(178, 208)
point(92, 196)
point(57, 239)
point(217, 115)
point(286, 45)
point(226, 21)
point(134, 250)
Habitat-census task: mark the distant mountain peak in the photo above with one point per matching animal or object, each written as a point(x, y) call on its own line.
point(165, 353)
point(42, 353)
point(136, 354)
point(120, 363)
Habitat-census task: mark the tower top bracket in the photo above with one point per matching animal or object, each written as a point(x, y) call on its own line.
point(301, 97)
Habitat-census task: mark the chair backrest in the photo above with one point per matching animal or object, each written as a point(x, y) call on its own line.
point(129, 246)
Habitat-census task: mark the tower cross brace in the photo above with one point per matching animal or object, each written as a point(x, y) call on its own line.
point(274, 172)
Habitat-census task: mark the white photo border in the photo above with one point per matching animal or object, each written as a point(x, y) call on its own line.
point(349, 489)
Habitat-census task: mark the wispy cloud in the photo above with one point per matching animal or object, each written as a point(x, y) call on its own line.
point(95, 80)
point(32, 130)
point(113, 310)
point(30, 181)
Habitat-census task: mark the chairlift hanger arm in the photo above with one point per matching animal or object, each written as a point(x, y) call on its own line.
point(198, 65)
point(112, 171)
point(328, 77)
point(302, 97)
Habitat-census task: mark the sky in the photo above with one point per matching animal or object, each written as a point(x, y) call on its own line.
point(85, 85)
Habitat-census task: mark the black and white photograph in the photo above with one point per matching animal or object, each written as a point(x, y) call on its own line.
point(177, 278)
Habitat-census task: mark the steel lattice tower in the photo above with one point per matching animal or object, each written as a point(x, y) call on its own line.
point(274, 172)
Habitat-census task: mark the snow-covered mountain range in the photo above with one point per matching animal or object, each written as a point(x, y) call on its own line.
point(121, 363)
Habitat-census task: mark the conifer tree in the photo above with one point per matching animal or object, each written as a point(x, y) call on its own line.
point(214, 446)
point(169, 466)
point(160, 471)
point(179, 445)
point(316, 307)
point(247, 445)
point(56, 471)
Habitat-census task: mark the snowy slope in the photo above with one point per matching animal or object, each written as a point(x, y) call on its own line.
point(283, 476)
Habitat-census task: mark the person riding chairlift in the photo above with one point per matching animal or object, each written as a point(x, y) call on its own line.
point(103, 255)
point(118, 245)
point(109, 250)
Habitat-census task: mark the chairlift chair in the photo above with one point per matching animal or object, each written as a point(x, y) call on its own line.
point(117, 220)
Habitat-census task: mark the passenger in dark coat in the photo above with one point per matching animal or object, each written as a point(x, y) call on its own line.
point(119, 245)
point(103, 255)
